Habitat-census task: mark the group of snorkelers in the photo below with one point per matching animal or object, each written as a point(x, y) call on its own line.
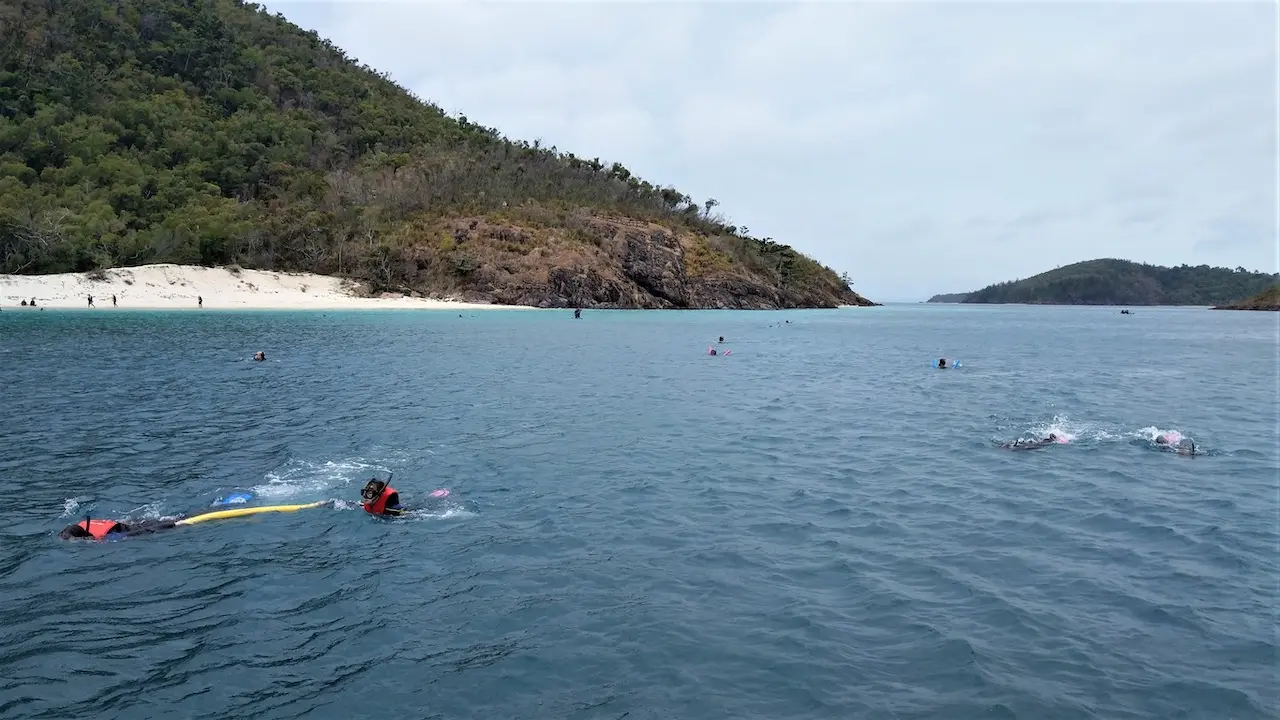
point(1164, 441)
point(377, 498)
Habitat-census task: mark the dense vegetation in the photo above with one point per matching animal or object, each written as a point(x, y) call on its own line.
point(1268, 299)
point(949, 298)
point(212, 132)
point(1120, 282)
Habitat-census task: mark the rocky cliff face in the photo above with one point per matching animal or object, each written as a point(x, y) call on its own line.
point(614, 263)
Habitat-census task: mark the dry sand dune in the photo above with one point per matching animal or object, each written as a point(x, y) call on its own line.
point(180, 286)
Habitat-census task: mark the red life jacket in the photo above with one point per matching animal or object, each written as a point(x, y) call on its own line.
point(379, 506)
point(98, 528)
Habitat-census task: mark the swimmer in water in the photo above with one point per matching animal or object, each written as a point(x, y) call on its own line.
point(379, 498)
point(1032, 444)
point(1178, 444)
point(111, 529)
point(259, 356)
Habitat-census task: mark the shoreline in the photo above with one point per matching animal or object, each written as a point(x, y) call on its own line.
point(181, 287)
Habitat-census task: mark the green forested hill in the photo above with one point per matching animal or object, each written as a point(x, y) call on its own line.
point(212, 132)
point(1121, 282)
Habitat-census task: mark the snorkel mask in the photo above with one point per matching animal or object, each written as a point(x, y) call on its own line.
point(374, 495)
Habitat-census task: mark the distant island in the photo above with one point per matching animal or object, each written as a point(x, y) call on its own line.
point(1121, 282)
point(1268, 299)
point(164, 132)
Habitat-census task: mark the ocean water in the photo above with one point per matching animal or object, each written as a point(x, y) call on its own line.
point(817, 525)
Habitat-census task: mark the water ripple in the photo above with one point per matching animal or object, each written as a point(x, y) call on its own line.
point(818, 526)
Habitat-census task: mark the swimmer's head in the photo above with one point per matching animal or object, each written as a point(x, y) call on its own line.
point(379, 498)
point(1162, 440)
point(74, 531)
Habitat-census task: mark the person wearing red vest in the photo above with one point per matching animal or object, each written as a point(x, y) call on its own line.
point(379, 498)
point(108, 529)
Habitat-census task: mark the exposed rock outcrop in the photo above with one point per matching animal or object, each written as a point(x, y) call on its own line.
point(616, 263)
point(1268, 299)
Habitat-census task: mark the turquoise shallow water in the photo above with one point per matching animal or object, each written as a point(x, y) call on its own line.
point(817, 526)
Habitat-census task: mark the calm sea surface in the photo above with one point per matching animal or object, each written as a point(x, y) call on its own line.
point(818, 525)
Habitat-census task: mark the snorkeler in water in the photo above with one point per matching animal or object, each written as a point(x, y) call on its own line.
point(1177, 443)
point(114, 529)
point(1021, 444)
point(111, 529)
point(379, 498)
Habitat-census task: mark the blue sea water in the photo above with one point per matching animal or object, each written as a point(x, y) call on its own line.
point(818, 525)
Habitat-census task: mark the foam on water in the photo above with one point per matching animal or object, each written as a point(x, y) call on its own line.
point(151, 511)
point(71, 506)
point(450, 512)
point(1092, 432)
point(1063, 427)
point(304, 479)
point(1152, 432)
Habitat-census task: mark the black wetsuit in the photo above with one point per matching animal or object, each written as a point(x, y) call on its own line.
point(144, 527)
point(1028, 444)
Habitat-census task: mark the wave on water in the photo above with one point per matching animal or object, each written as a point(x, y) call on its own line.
point(151, 511)
point(446, 510)
point(302, 479)
point(1152, 432)
point(71, 506)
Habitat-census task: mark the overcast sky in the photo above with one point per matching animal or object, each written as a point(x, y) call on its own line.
point(923, 148)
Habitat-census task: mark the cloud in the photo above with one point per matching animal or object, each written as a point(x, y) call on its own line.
point(921, 147)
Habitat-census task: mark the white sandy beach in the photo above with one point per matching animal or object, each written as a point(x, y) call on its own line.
point(159, 287)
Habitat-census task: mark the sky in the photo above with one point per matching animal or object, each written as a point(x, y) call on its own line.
point(921, 147)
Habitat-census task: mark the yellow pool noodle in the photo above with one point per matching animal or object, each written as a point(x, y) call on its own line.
point(240, 512)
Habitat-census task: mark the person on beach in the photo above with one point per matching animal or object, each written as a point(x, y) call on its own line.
point(90, 301)
point(113, 301)
point(33, 302)
point(199, 301)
